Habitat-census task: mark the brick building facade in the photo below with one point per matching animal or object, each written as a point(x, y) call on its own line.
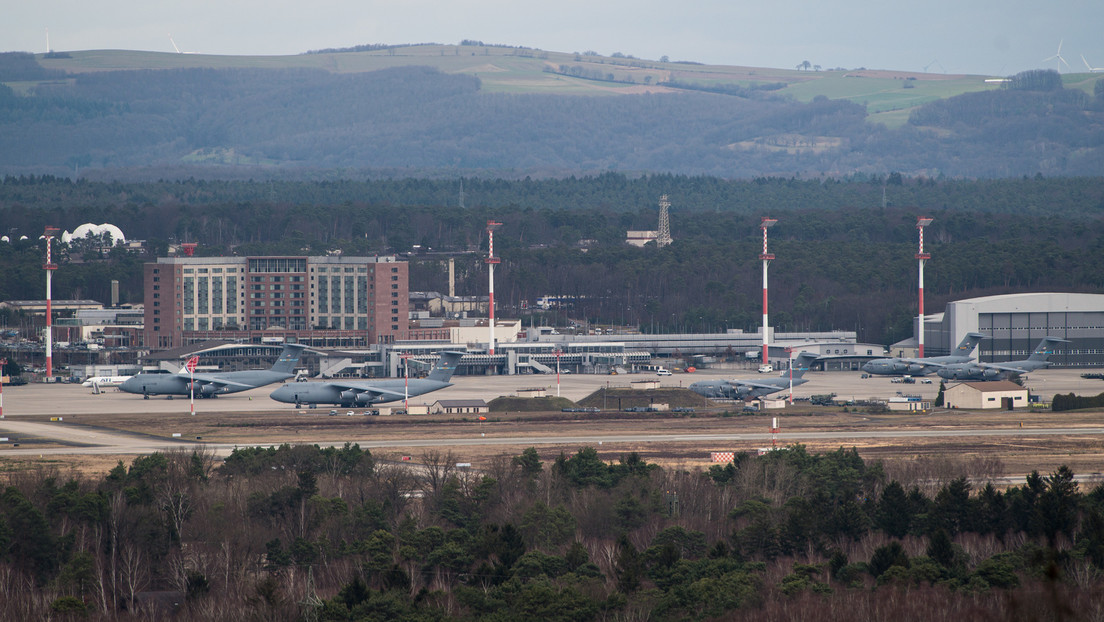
point(326, 301)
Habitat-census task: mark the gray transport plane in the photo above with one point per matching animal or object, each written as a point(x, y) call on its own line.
point(926, 365)
point(363, 392)
point(737, 389)
point(214, 384)
point(994, 371)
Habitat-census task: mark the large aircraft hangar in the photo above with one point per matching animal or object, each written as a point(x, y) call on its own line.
point(1014, 324)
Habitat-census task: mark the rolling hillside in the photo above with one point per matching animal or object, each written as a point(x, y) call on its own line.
point(522, 70)
point(476, 109)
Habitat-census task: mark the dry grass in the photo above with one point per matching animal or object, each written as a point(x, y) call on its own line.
point(1019, 453)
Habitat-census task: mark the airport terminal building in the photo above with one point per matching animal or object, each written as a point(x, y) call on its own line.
point(1015, 323)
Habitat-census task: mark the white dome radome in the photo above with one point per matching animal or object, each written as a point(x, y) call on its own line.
point(82, 232)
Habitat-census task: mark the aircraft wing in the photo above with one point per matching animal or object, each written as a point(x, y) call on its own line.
point(926, 363)
point(1017, 370)
point(755, 385)
point(366, 387)
point(222, 382)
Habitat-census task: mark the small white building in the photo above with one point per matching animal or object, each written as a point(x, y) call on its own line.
point(909, 404)
point(975, 395)
point(459, 407)
point(640, 238)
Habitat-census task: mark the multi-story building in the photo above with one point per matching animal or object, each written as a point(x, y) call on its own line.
point(328, 301)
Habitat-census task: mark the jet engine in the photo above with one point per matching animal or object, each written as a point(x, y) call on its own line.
point(991, 374)
point(207, 390)
point(350, 396)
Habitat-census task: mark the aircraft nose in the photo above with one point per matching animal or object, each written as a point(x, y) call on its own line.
point(283, 394)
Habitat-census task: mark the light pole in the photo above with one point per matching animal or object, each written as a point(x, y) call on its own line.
point(3, 364)
point(191, 365)
point(556, 372)
point(766, 258)
point(49, 267)
point(406, 381)
point(789, 354)
point(491, 261)
point(922, 257)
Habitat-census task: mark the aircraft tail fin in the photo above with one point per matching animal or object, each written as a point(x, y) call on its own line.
point(446, 365)
point(1045, 348)
point(969, 342)
point(802, 362)
point(288, 358)
point(190, 363)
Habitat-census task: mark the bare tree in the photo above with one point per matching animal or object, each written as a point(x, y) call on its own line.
point(436, 469)
point(134, 570)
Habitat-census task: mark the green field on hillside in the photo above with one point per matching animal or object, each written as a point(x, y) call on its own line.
point(887, 95)
point(521, 70)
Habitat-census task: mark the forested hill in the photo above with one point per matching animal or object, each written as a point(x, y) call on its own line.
point(844, 261)
point(420, 117)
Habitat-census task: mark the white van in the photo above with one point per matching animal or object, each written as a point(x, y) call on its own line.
point(663, 371)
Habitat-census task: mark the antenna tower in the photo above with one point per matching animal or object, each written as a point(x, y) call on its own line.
point(461, 193)
point(663, 238)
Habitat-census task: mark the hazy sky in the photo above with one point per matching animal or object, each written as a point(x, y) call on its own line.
point(952, 36)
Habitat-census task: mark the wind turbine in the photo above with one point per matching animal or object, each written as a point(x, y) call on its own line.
point(1090, 67)
point(1058, 57)
point(179, 52)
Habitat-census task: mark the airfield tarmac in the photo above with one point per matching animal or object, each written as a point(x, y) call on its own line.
point(94, 431)
point(70, 399)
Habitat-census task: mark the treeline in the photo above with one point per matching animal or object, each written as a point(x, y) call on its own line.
point(842, 263)
point(419, 121)
point(334, 534)
point(1073, 402)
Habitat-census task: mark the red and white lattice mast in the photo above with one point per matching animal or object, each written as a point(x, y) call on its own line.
point(491, 261)
point(922, 257)
point(766, 257)
point(49, 267)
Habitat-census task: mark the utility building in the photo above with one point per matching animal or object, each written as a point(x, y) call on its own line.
point(977, 395)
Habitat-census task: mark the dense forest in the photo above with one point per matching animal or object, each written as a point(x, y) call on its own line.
point(294, 533)
point(418, 121)
point(843, 261)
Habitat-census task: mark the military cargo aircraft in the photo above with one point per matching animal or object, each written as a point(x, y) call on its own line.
point(350, 393)
point(994, 371)
point(738, 389)
point(926, 365)
point(214, 384)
